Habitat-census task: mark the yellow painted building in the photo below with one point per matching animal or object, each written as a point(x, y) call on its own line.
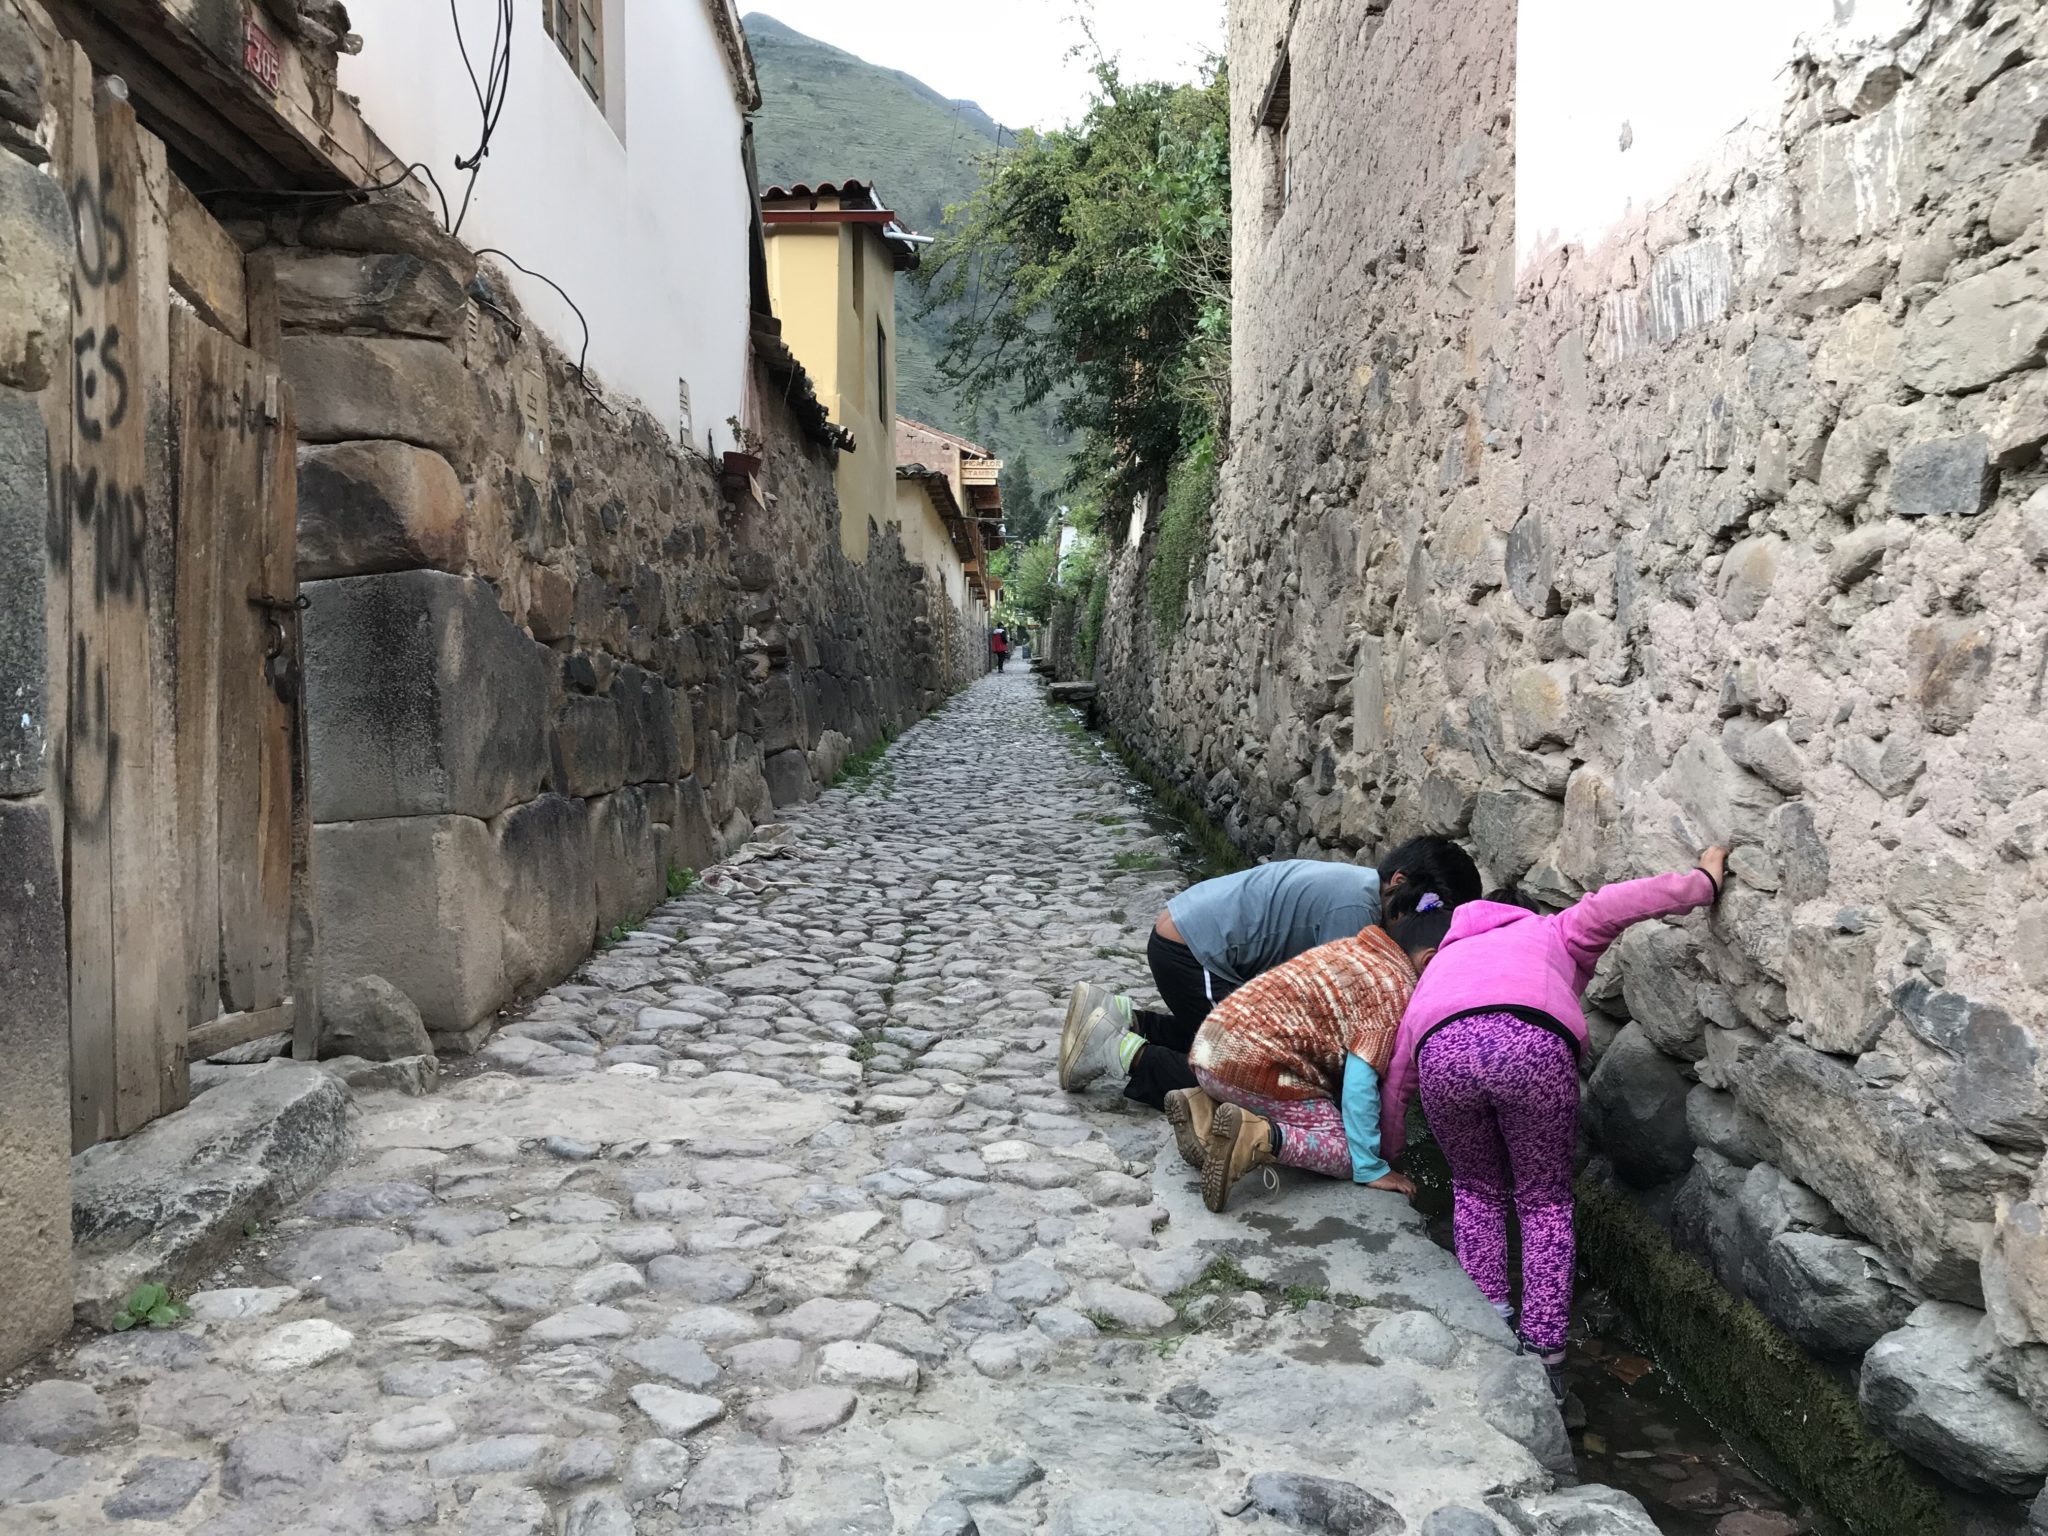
point(834, 252)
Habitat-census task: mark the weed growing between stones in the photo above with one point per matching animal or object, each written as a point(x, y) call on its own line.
point(1299, 1296)
point(1215, 853)
point(1753, 1381)
point(150, 1306)
point(867, 769)
point(864, 1051)
point(679, 881)
point(1139, 861)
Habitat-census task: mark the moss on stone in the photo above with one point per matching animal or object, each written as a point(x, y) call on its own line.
point(1750, 1379)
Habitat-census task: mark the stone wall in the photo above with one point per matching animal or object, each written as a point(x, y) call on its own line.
point(549, 658)
point(1733, 527)
point(35, 1045)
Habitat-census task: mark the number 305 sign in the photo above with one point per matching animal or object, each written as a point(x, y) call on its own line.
point(260, 56)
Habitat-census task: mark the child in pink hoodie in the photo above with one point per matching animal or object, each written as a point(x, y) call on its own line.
point(1493, 1037)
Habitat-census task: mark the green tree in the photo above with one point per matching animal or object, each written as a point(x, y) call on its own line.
point(1092, 267)
point(1029, 588)
point(1025, 509)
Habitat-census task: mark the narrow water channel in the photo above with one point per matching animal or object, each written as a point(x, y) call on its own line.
point(1631, 1426)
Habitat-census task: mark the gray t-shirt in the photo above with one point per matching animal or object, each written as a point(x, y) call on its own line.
point(1240, 925)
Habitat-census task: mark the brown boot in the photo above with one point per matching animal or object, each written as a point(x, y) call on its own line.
point(1189, 1111)
point(1238, 1142)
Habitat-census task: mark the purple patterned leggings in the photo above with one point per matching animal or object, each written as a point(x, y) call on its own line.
point(1311, 1130)
point(1502, 1097)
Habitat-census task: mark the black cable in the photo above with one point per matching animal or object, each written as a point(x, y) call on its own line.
point(491, 93)
point(582, 376)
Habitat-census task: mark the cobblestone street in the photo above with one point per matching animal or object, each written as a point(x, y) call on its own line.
point(774, 1219)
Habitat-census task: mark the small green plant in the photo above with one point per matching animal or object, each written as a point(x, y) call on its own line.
point(613, 939)
point(864, 1051)
point(1104, 952)
point(1104, 1322)
point(868, 768)
point(1139, 861)
point(679, 881)
point(149, 1306)
point(1183, 536)
point(1299, 1296)
point(1110, 821)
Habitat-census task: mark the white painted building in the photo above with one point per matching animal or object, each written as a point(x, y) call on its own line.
point(616, 169)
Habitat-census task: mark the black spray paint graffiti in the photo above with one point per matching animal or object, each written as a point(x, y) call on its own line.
point(92, 513)
point(99, 382)
point(89, 795)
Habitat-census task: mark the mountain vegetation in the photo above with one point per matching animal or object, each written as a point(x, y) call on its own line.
point(826, 116)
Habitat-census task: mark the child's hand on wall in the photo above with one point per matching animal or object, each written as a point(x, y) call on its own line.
point(1715, 862)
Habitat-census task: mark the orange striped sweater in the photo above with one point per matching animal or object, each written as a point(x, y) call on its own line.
point(1285, 1033)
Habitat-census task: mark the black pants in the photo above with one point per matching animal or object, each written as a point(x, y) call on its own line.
point(1001, 657)
point(1189, 994)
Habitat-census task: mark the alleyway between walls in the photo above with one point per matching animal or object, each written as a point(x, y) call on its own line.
point(773, 1219)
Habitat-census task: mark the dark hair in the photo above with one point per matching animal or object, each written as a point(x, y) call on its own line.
point(1422, 932)
point(1514, 896)
point(1432, 864)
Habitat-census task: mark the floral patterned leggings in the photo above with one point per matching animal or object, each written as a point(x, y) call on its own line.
point(1311, 1130)
point(1502, 1097)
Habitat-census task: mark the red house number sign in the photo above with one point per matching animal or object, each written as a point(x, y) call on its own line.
point(260, 56)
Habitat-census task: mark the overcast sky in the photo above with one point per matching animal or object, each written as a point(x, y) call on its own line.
point(1011, 56)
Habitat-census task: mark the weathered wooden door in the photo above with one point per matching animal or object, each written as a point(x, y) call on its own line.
point(175, 640)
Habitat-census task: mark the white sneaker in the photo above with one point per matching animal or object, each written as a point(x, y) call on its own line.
point(1096, 1019)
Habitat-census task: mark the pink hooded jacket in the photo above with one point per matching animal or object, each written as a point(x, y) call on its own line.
point(1502, 957)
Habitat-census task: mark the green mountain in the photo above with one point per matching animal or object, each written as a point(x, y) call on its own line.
point(826, 116)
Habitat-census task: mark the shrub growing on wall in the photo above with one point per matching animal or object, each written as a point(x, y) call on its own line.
point(1183, 535)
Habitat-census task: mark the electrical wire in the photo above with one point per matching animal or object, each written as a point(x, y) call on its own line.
point(491, 92)
point(582, 375)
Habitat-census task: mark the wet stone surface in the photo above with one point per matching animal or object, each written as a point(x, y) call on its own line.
point(773, 1219)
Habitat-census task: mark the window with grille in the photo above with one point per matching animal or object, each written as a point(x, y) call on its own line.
point(577, 26)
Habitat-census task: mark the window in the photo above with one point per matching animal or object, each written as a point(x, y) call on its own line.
point(859, 247)
point(1275, 121)
point(881, 371)
point(577, 26)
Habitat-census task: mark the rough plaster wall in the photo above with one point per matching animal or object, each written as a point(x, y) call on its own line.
point(1736, 521)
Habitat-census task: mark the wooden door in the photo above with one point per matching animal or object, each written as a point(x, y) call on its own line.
point(175, 640)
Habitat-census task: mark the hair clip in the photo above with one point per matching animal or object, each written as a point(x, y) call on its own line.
point(1429, 903)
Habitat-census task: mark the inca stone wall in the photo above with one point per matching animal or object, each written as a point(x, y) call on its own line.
point(35, 1130)
point(1733, 526)
point(550, 659)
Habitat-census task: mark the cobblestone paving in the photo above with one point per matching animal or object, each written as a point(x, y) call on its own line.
point(774, 1220)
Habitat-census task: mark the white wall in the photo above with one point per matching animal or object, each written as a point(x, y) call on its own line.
point(1685, 80)
point(643, 220)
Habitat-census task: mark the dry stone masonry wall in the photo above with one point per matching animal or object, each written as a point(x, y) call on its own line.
point(549, 658)
point(1732, 527)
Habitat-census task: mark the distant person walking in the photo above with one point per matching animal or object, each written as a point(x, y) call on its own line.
point(999, 647)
